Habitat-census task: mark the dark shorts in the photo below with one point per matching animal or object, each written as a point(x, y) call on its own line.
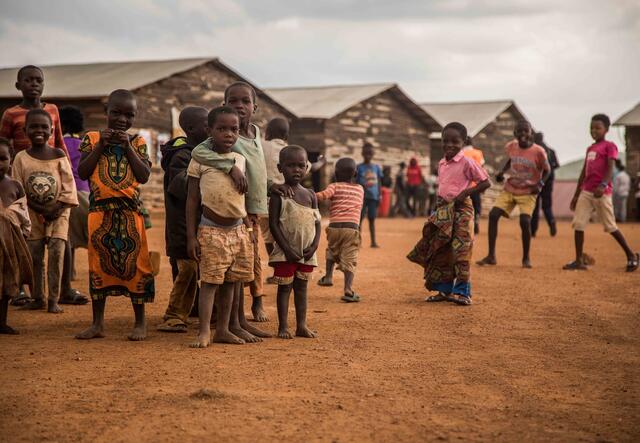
point(370, 208)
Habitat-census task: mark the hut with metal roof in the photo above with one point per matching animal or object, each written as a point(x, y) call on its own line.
point(489, 123)
point(162, 89)
point(336, 121)
point(631, 122)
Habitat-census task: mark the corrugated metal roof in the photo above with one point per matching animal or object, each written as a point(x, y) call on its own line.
point(325, 101)
point(630, 118)
point(474, 115)
point(99, 79)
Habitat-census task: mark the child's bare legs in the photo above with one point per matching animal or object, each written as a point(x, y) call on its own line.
point(224, 306)
point(623, 244)
point(372, 232)
point(256, 287)
point(96, 330)
point(139, 331)
point(36, 248)
point(205, 309)
point(238, 321)
point(54, 273)
point(4, 327)
point(578, 237)
point(284, 292)
point(348, 282)
point(494, 218)
point(327, 280)
point(525, 227)
point(299, 287)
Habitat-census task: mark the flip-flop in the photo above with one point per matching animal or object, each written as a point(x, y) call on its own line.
point(632, 264)
point(323, 282)
point(575, 266)
point(436, 298)
point(21, 300)
point(350, 298)
point(173, 325)
point(486, 262)
point(458, 299)
point(76, 298)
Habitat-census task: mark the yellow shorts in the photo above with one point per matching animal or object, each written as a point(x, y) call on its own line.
point(588, 204)
point(507, 202)
point(226, 254)
point(342, 247)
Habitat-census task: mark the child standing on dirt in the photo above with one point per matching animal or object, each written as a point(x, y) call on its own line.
point(445, 248)
point(295, 225)
point(343, 232)
point(369, 176)
point(176, 155)
point(15, 260)
point(593, 194)
point(528, 169)
point(45, 173)
point(217, 231)
point(116, 163)
point(30, 83)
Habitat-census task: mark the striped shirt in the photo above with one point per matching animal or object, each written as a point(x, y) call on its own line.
point(346, 201)
point(12, 127)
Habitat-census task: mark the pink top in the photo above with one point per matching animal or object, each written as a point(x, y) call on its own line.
point(597, 164)
point(455, 175)
point(346, 201)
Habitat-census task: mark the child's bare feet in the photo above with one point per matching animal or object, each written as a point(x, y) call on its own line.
point(254, 331)
point(202, 342)
point(305, 332)
point(284, 333)
point(93, 331)
point(245, 335)
point(54, 308)
point(138, 333)
point(258, 311)
point(487, 261)
point(227, 337)
point(526, 263)
point(6, 329)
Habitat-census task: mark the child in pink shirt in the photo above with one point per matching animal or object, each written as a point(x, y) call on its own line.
point(447, 238)
point(593, 194)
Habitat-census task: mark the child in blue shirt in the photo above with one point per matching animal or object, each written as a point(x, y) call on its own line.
point(369, 176)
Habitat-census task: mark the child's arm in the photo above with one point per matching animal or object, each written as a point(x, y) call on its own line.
point(140, 167)
point(308, 252)
point(177, 172)
point(599, 192)
point(192, 213)
point(68, 196)
point(480, 187)
point(91, 155)
point(576, 194)
point(59, 137)
point(327, 193)
point(6, 126)
point(275, 207)
point(505, 168)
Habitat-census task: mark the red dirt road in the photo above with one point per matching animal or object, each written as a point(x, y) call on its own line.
point(541, 355)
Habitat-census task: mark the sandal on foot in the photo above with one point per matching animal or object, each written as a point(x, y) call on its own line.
point(632, 264)
point(458, 299)
point(437, 298)
point(575, 266)
point(324, 282)
point(73, 297)
point(350, 298)
point(34, 305)
point(172, 325)
point(21, 299)
point(486, 261)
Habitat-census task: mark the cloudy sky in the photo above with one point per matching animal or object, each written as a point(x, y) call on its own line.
point(562, 61)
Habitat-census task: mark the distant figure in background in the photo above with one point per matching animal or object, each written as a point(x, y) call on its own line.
point(476, 198)
point(400, 190)
point(432, 182)
point(387, 181)
point(545, 198)
point(638, 196)
point(414, 180)
point(621, 188)
point(369, 176)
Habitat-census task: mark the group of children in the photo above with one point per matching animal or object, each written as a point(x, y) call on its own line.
point(223, 192)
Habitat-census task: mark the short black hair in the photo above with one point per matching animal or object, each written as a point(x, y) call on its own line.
point(367, 145)
point(457, 126)
point(71, 119)
point(278, 128)
point(188, 114)
point(287, 150)
point(244, 84)
point(619, 164)
point(345, 169)
point(5, 142)
point(538, 138)
point(34, 112)
point(121, 94)
point(606, 121)
point(22, 70)
point(215, 112)
point(521, 123)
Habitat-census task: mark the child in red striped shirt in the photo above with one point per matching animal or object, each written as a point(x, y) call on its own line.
point(343, 232)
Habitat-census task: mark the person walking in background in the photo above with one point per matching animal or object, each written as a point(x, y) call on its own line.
point(369, 176)
point(400, 190)
point(414, 180)
point(476, 155)
point(621, 188)
point(545, 198)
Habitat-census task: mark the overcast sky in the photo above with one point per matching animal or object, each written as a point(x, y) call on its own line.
point(561, 61)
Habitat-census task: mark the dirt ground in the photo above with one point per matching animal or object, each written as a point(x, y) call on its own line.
point(541, 355)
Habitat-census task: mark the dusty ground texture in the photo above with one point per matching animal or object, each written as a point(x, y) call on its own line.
point(541, 355)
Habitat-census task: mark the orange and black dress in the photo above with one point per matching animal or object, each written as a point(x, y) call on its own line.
point(118, 254)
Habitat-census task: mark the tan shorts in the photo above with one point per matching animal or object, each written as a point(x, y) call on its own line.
point(58, 228)
point(263, 221)
point(342, 247)
point(226, 254)
point(507, 201)
point(588, 204)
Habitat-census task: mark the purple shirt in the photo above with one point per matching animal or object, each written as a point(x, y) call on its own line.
point(457, 174)
point(73, 146)
point(597, 165)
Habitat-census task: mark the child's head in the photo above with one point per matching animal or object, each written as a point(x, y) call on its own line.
point(413, 162)
point(402, 165)
point(30, 82)
point(38, 127)
point(538, 138)
point(121, 110)
point(5, 157)
point(346, 169)
point(599, 126)
point(619, 165)
point(468, 141)
point(71, 119)
point(277, 128)
point(242, 97)
point(523, 133)
point(293, 164)
point(194, 122)
point(386, 171)
point(454, 135)
point(368, 152)
point(223, 127)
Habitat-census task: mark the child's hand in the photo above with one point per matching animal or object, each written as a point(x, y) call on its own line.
point(282, 190)
point(461, 197)
point(291, 255)
point(122, 138)
point(574, 202)
point(599, 192)
point(308, 252)
point(193, 249)
point(239, 179)
point(500, 177)
point(106, 136)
